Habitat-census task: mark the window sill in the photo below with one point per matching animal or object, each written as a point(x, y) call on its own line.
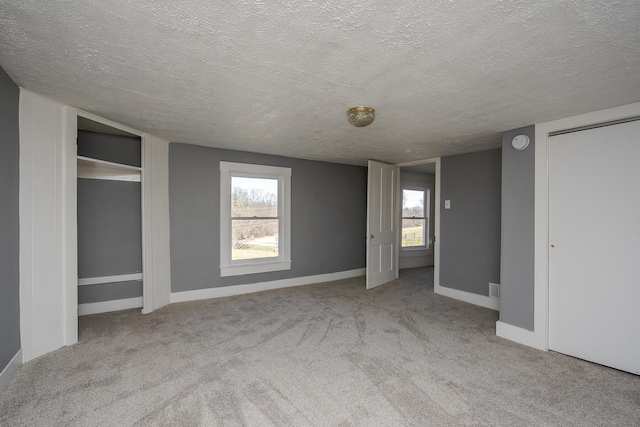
point(254, 268)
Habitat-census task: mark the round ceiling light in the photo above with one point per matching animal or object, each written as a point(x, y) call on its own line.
point(361, 116)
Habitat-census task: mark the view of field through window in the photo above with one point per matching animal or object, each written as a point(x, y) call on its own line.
point(414, 220)
point(254, 218)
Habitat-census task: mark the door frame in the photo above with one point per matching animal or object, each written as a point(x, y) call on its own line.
point(71, 204)
point(146, 195)
point(539, 337)
point(436, 229)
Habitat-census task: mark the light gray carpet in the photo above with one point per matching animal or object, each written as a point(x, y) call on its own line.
point(326, 354)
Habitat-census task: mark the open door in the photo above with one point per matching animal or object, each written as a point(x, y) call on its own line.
point(382, 262)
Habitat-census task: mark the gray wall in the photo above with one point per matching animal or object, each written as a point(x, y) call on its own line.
point(125, 150)
point(109, 291)
point(9, 221)
point(328, 216)
point(109, 237)
point(517, 261)
point(470, 230)
point(109, 228)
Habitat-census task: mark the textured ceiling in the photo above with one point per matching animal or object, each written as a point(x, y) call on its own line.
point(277, 77)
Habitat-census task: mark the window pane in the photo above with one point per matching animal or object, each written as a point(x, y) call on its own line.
point(413, 232)
point(254, 197)
point(413, 203)
point(254, 238)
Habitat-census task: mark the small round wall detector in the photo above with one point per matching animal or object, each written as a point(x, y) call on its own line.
point(520, 142)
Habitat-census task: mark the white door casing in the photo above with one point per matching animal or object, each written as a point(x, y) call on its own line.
point(48, 272)
point(382, 251)
point(155, 220)
point(594, 229)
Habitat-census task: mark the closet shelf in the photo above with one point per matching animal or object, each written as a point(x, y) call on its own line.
point(120, 166)
point(101, 169)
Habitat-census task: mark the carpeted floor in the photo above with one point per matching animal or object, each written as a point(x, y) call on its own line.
point(325, 354)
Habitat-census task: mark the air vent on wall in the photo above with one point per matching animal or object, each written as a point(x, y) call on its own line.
point(494, 290)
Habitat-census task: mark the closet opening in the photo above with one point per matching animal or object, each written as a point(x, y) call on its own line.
point(109, 218)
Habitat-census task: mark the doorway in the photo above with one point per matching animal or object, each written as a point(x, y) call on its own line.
point(419, 244)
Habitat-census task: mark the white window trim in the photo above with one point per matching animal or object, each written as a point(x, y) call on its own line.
point(425, 207)
point(229, 267)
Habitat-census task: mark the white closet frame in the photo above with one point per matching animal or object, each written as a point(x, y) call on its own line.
point(48, 223)
point(132, 173)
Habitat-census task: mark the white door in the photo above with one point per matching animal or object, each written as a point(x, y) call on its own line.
point(594, 236)
point(382, 266)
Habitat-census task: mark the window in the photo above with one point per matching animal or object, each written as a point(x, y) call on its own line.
point(415, 221)
point(255, 210)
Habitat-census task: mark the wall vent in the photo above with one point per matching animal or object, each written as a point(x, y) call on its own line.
point(494, 290)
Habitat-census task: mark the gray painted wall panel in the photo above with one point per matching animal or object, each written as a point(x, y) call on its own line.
point(109, 228)
point(9, 221)
point(112, 148)
point(517, 261)
point(328, 210)
point(470, 230)
point(109, 291)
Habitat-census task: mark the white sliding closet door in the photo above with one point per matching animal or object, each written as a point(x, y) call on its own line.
point(594, 236)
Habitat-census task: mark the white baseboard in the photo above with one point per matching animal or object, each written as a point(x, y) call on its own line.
point(519, 335)
point(471, 298)
point(107, 306)
point(10, 370)
point(228, 291)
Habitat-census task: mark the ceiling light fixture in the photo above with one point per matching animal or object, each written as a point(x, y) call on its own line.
point(361, 116)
